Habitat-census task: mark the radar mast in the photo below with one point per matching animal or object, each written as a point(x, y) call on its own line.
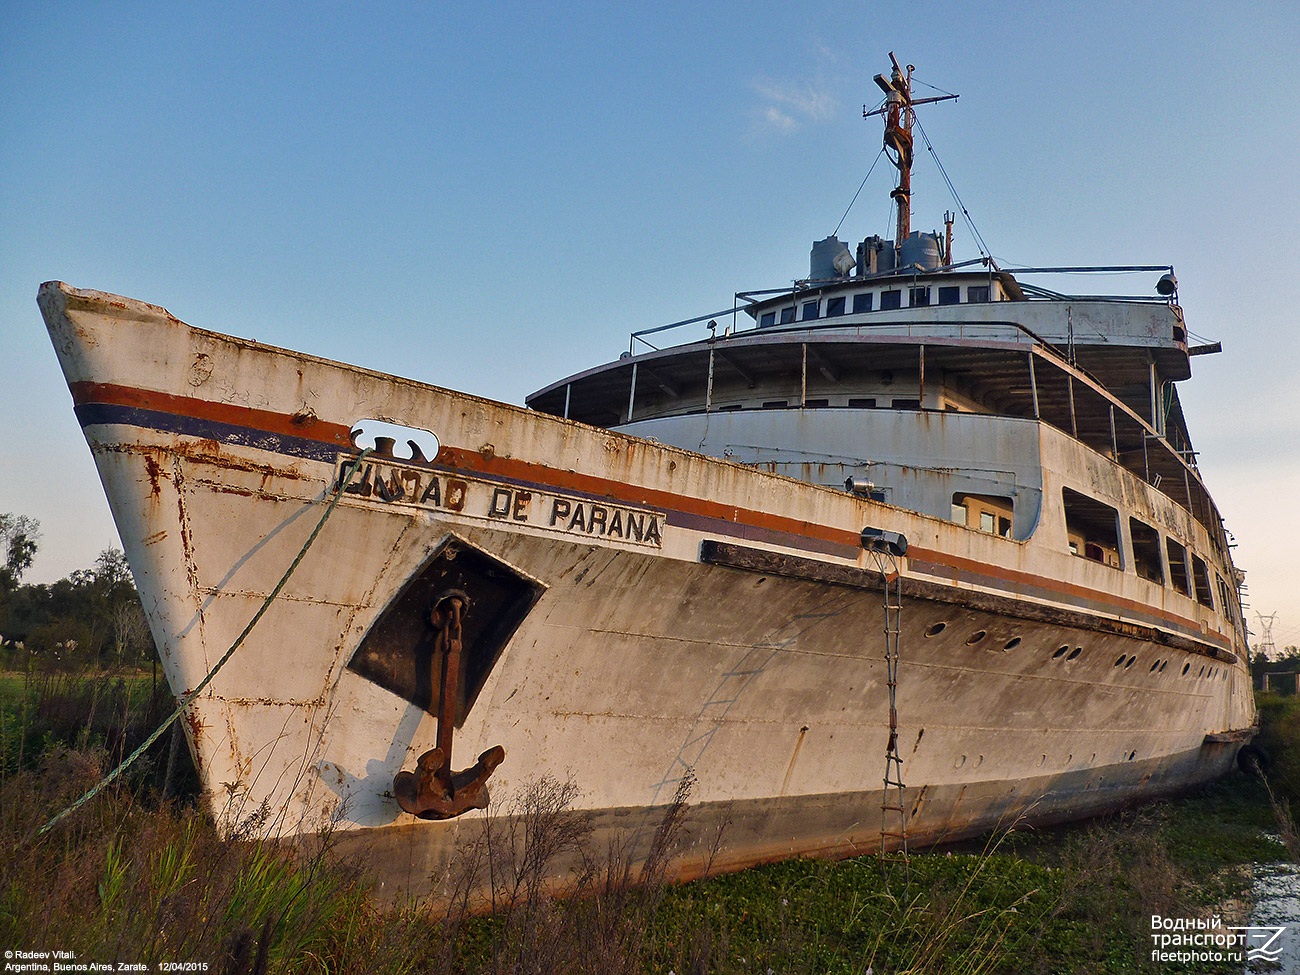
point(899, 111)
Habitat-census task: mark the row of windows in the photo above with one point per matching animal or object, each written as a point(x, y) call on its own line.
point(983, 512)
point(919, 297)
point(853, 403)
point(1092, 531)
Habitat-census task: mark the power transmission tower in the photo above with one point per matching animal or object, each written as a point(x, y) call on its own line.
point(1264, 646)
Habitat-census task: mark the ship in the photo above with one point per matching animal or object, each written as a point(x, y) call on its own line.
point(900, 553)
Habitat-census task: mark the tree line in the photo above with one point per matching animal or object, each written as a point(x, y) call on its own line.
point(93, 617)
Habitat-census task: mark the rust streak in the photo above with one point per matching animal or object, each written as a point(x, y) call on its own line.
point(154, 471)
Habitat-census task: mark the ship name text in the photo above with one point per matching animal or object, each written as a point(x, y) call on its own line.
point(386, 482)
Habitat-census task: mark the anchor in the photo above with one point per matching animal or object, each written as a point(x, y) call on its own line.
point(433, 790)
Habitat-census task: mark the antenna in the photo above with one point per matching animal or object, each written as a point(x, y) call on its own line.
point(899, 113)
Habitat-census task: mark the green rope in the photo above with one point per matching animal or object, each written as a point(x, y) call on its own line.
point(185, 701)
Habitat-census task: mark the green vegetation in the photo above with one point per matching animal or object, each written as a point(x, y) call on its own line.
point(93, 618)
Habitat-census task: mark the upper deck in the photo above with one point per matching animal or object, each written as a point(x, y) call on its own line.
point(1100, 368)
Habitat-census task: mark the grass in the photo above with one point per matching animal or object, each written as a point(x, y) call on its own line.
point(141, 875)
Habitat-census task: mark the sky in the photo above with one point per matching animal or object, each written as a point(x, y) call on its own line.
point(492, 196)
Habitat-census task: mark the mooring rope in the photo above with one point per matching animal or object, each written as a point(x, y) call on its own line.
point(186, 699)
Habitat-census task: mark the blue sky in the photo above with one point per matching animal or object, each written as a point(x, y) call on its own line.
point(490, 197)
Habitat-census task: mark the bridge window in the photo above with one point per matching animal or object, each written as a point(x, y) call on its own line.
point(950, 296)
point(787, 315)
point(918, 297)
point(862, 302)
point(769, 318)
point(810, 309)
point(891, 299)
point(835, 307)
point(977, 293)
point(1146, 551)
point(1092, 528)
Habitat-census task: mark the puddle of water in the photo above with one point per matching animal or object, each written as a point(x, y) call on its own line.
point(1276, 888)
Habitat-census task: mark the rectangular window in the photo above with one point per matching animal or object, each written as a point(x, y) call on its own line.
point(1146, 551)
point(977, 293)
point(787, 315)
point(949, 296)
point(835, 307)
point(1092, 528)
point(862, 302)
point(859, 403)
point(891, 299)
point(810, 309)
point(991, 513)
point(905, 404)
point(1202, 575)
point(769, 318)
point(918, 297)
point(1225, 599)
point(1178, 576)
point(816, 404)
point(775, 404)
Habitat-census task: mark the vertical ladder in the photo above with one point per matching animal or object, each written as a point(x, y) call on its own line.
point(893, 811)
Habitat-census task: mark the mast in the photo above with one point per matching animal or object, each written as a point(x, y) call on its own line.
point(899, 111)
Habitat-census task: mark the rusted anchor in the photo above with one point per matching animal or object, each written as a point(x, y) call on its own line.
point(433, 790)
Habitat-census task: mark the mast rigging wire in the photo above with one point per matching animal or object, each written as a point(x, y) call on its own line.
point(970, 222)
point(836, 232)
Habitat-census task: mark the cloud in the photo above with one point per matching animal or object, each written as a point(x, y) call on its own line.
point(778, 121)
point(787, 106)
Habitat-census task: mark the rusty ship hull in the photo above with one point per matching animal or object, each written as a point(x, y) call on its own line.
point(637, 613)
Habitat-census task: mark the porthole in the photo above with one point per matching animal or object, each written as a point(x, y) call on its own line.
point(1074, 653)
point(960, 762)
point(1042, 761)
point(1201, 673)
point(1153, 667)
point(1131, 662)
point(1060, 652)
point(1163, 665)
point(1120, 660)
point(1132, 755)
point(935, 629)
point(1186, 667)
point(975, 638)
point(1012, 643)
